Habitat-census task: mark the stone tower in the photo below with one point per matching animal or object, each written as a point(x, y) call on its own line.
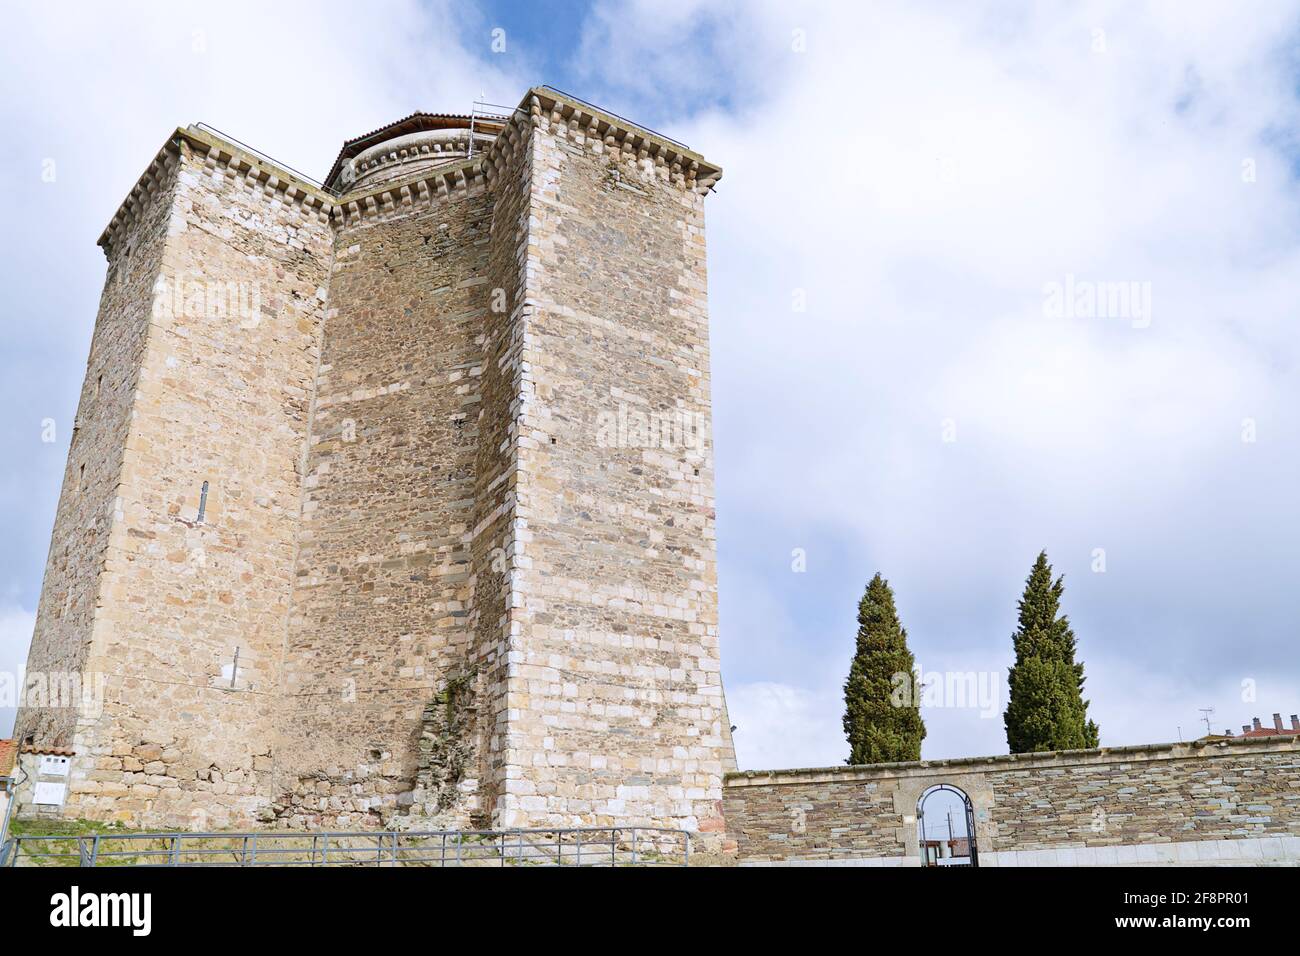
point(391, 502)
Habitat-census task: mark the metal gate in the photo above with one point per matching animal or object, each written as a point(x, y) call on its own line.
point(932, 854)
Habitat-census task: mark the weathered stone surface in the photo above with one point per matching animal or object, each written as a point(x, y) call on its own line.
point(395, 508)
point(400, 402)
point(615, 695)
point(1120, 798)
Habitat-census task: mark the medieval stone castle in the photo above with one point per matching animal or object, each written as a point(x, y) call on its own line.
point(344, 537)
point(390, 504)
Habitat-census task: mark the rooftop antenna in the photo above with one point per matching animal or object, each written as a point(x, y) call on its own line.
point(1205, 716)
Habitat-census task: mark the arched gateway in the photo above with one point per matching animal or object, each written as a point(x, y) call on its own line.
point(945, 821)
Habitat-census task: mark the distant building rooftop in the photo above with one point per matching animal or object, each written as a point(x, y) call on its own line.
point(1257, 729)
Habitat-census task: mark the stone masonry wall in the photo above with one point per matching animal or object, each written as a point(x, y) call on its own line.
point(382, 601)
point(456, 562)
point(497, 537)
point(223, 388)
point(1209, 802)
point(70, 594)
point(615, 697)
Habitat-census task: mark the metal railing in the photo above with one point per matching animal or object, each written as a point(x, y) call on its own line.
point(254, 151)
point(653, 132)
point(492, 112)
point(586, 846)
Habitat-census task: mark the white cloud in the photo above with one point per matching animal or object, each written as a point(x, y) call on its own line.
point(920, 174)
point(15, 634)
point(285, 78)
point(97, 94)
point(781, 726)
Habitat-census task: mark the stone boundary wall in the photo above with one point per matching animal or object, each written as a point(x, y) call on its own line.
point(1218, 802)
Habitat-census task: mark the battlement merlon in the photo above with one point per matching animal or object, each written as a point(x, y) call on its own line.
point(549, 106)
point(628, 135)
point(233, 159)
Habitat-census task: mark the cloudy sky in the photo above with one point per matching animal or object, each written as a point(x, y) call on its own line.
point(911, 192)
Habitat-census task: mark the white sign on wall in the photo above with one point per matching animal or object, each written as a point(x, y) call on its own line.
point(52, 766)
point(50, 794)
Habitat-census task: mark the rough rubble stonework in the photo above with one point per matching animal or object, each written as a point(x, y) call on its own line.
point(391, 504)
point(1224, 802)
point(387, 399)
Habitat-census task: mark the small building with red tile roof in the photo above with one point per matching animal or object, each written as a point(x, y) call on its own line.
point(1257, 729)
point(8, 756)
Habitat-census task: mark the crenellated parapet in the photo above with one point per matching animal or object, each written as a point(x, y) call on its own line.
point(220, 159)
point(141, 196)
point(422, 166)
point(617, 139)
point(429, 186)
point(412, 153)
point(279, 186)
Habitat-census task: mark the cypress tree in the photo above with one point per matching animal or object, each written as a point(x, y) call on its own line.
point(881, 724)
point(1046, 709)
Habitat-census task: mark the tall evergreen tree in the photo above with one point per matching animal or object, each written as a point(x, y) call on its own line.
point(1046, 709)
point(882, 714)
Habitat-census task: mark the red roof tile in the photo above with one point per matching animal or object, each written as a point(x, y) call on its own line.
point(52, 751)
point(8, 754)
point(416, 122)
